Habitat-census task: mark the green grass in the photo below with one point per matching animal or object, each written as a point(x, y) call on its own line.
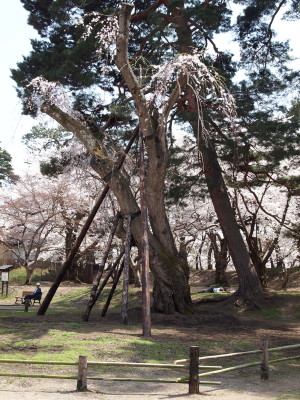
point(246, 344)
point(271, 314)
point(282, 292)
point(18, 276)
point(289, 396)
point(62, 335)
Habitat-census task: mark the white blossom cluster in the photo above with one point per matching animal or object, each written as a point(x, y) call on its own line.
point(47, 92)
point(42, 90)
point(207, 85)
point(105, 37)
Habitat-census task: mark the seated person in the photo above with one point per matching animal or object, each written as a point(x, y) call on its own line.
point(36, 294)
point(213, 290)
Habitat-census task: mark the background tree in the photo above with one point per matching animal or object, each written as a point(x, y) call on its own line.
point(6, 169)
point(28, 217)
point(39, 218)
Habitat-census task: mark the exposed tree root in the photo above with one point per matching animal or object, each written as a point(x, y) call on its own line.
point(255, 302)
point(212, 299)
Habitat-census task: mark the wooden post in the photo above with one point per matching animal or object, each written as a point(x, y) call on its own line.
point(286, 276)
point(94, 291)
point(124, 314)
point(112, 290)
point(87, 312)
point(194, 370)
point(146, 303)
point(4, 285)
point(264, 359)
point(82, 374)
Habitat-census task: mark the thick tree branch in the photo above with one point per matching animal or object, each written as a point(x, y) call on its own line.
point(124, 66)
point(181, 82)
point(145, 14)
point(77, 128)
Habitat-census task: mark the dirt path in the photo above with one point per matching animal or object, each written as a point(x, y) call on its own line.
point(246, 385)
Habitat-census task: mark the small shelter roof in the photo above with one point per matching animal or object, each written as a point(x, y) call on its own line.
point(6, 267)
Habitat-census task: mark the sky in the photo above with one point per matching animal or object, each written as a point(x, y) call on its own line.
point(15, 35)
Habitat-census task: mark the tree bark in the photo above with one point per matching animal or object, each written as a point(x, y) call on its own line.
point(29, 273)
point(249, 284)
point(220, 258)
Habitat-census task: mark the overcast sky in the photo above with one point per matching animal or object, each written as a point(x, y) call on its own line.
point(15, 37)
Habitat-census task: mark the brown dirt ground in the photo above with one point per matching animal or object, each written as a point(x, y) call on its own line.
point(211, 322)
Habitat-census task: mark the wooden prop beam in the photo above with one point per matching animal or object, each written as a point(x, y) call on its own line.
point(87, 312)
point(146, 300)
point(124, 312)
point(93, 295)
point(112, 290)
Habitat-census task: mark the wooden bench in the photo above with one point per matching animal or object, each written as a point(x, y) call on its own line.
point(24, 293)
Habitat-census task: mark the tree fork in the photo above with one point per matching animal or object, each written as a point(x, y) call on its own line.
point(45, 304)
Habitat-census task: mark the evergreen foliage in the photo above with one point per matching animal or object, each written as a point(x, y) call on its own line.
point(6, 169)
point(269, 126)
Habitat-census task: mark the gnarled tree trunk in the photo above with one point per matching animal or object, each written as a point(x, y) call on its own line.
point(171, 289)
point(249, 284)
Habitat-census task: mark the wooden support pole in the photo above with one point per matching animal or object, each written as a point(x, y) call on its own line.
point(82, 374)
point(51, 292)
point(87, 312)
point(124, 312)
point(49, 296)
point(94, 291)
point(146, 302)
point(194, 370)
point(112, 290)
point(264, 359)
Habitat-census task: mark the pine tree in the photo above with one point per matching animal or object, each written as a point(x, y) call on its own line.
point(6, 169)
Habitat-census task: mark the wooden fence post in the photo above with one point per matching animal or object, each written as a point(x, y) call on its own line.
point(264, 359)
point(82, 374)
point(194, 370)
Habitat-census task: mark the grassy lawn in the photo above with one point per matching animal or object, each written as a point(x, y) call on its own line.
point(61, 335)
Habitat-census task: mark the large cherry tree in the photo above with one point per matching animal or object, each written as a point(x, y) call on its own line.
point(149, 67)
